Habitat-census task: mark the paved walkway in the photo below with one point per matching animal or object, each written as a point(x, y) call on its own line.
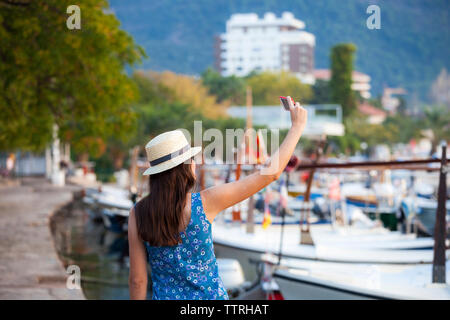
point(29, 265)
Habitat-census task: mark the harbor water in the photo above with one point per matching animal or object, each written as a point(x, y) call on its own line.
point(100, 254)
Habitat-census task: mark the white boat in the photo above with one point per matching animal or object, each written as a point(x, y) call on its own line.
point(376, 246)
point(424, 210)
point(112, 204)
point(304, 280)
point(109, 197)
point(369, 238)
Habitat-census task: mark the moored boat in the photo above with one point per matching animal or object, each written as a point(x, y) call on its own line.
point(356, 245)
point(321, 280)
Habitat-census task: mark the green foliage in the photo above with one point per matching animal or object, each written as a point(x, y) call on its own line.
point(341, 77)
point(321, 92)
point(372, 134)
point(171, 87)
point(402, 107)
point(158, 118)
point(224, 88)
point(407, 128)
point(74, 78)
point(358, 131)
point(104, 167)
point(376, 102)
point(433, 124)
point(268, 86)
point(437, 119)
point(161, 108)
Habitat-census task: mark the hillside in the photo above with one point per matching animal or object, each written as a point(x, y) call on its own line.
point(409, 50)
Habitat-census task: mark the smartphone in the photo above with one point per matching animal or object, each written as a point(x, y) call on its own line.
point(285, 103)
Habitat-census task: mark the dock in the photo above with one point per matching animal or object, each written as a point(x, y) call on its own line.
point(30, 267)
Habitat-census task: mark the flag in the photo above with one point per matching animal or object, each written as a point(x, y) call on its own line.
point(267, 220)
point(261, 152)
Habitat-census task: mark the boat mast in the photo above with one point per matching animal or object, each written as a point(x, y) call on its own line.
point(236, 213)
point(305, 236)
point(250, 227)
point(440, 225)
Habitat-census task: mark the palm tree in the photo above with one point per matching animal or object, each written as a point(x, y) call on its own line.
point(437, 119)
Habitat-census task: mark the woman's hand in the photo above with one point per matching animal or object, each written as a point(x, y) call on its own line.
point(299, 115)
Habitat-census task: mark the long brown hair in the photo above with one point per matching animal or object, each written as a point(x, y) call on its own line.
point(159, 215)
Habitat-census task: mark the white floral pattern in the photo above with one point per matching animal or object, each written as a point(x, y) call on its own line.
point(188, 271)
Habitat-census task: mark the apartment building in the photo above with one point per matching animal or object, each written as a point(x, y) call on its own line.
point(269, 43)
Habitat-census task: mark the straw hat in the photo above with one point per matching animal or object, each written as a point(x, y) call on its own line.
point(168, 150)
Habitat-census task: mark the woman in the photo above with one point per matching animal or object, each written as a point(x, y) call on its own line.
point(171, 227)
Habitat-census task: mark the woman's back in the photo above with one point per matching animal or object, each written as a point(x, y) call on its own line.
point(188, 270)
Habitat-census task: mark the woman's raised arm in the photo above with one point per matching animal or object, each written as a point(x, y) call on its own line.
point(218, 198)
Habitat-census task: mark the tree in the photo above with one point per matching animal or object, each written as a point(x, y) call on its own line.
point(172, 87)
point(169, 101)
point(321, 92)
point(407, 128)
point(376, 102)
point(357, 131)
point(402, 106)
point(230, 88)
point(73, 78)
point(341, 77)
point(268, 86)
point(437, 119)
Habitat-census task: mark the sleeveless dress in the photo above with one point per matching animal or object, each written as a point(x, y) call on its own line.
point(189, 270)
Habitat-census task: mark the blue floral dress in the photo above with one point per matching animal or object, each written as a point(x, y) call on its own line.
point(188, 270)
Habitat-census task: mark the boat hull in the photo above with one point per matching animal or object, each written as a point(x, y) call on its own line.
point(234, 243)
point(293, 288)
point(243, 256)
